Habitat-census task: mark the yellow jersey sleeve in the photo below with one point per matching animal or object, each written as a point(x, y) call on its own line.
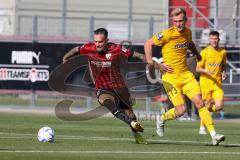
point(203, 60)
point(174, 47)
point(160, 38)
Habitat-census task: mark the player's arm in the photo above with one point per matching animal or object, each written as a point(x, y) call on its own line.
point(148, 51)
point(73, 52)
point(200, 69)
point(138, 55)
point(151, 64)
point(192, 47)
point(224, 74)
point(224, 62)
point(128, 49)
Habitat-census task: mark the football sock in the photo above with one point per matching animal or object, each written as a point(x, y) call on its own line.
point(213, 133)
point(206, 118)
point(117, 112)
point(169, 115)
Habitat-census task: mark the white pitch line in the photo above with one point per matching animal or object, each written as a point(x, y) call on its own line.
point(117, 152)
point(69, 137)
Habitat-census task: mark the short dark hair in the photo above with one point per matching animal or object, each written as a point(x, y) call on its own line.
point(101, 31)
point(214, 33)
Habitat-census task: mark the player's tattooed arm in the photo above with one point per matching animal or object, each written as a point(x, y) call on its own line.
point(73, 52)
point(138, 55)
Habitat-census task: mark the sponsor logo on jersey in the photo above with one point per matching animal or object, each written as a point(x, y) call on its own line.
point(101, 63)
point(181, 45)
point(214, 64)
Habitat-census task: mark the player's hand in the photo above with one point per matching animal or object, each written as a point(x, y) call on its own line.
point(224, 76)
point(65, 60)
point(165, 68)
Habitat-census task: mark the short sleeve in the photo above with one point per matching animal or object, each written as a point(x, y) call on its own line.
point(203, 60)
point(160, 38)
point(87, 48)
point(83, 49)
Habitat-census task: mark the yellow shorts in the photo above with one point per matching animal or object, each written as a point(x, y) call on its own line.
point(216, 94)
point(211, 89)
point(178, 84)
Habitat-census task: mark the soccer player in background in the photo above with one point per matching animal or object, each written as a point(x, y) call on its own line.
point(212, 68)
point(177, 79)
point(104, 60)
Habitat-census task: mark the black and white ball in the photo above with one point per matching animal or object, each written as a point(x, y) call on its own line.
point(46, 134)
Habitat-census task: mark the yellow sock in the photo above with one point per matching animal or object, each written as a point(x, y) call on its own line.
point(206, 118)
point(214, 108)
point(169, 115)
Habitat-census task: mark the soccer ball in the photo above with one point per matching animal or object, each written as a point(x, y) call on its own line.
point(46, 134)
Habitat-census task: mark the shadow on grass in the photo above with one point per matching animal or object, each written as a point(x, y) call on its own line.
point(190, 143)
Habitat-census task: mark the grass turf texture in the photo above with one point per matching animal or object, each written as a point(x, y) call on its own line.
point(231, 110)
point(109, 139)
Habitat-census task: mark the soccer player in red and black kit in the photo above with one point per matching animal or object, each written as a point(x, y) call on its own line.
point(104, 59)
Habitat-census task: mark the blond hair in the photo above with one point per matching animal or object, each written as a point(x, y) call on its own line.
point(177, 11)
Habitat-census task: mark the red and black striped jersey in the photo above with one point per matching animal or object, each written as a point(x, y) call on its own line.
point(105, 66)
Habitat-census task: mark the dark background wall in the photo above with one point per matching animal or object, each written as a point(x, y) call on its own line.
point(51, 55)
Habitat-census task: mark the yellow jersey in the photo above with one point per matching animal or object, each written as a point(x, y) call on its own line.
point(212, 60)
point(174, 47)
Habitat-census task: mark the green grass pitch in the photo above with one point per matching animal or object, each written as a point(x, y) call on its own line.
point(110, 139)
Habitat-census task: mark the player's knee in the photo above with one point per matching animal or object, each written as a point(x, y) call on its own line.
point(199, 103)
point(107, 100)
point(219, 107)
point(180, 110)
point(208, 104)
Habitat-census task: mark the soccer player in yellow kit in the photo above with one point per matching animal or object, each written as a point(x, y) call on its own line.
point(177, 79)
point(212, 70)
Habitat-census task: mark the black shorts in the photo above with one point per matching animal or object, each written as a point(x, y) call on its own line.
point(122, 95)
